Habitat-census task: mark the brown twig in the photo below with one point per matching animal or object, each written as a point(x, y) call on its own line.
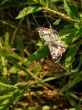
point(59, 14)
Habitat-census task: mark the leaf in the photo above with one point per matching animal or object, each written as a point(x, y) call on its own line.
point(28, 10)
point(72, 82)
point(70, 97)
point(4, 66)
point(7, 45)
point(70, 57)
point(72, 37)
point(69, 34)
point(71, 10)
point(57, 22)
point(4, 86)
point(66, 7)
point(27, 72)
point(14, 69)
point(66, 30)
point(65, 33)
point(74, 12)
point(74, 104)
point(3, 97)
point(3, 2)
point(20, 45)
point(36, 68)
point(77, 26)
point(41, 53)
point(4, 53)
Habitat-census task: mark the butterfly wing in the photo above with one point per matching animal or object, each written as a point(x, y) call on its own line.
point(51, 39)
point(55, 53)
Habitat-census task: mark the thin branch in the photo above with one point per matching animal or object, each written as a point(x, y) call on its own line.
point(59, 14)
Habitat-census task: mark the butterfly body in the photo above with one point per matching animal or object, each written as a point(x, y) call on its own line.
point(51, 38)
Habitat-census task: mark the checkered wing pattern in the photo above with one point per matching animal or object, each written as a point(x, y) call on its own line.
point(51, 38)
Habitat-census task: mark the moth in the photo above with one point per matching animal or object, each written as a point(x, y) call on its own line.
point(52, 40)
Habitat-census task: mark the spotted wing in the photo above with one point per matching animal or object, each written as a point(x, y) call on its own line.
point(51, 39)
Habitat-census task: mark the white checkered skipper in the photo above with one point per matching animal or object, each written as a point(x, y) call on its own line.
point(51, 38)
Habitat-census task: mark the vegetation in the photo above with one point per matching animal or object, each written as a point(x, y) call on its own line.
point(29, 79)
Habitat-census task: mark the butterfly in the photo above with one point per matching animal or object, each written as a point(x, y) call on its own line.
point(52, 40)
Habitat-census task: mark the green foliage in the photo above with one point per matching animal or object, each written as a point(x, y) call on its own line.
point(28, 10)
point(23, 57)
point(20, 45)
point(41, 53)
point(71, 10)
point(70, 57)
